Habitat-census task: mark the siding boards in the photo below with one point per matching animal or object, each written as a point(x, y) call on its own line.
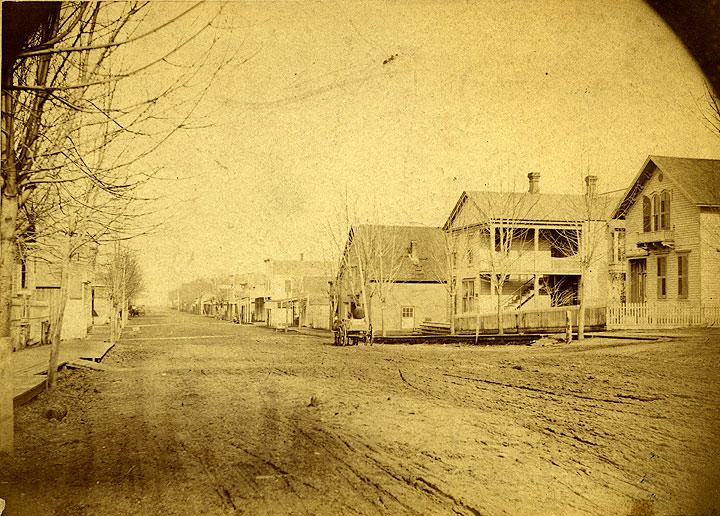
point(685, 223)
point(710, 253)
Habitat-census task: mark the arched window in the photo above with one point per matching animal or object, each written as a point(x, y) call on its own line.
point(656, 212)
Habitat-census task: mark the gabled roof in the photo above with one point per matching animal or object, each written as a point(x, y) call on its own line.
point(524, 207)
point(697, 179)
point(425, 266)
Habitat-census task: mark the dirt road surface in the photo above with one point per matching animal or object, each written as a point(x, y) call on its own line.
point(194, 416)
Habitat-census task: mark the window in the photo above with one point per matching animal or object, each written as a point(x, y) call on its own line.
point(408, 311)
point(469, 257)
point(288, 285)
point(23, 274)
point(621, 244)
point(656, 212)
point(661, 277)
point(617, 250)
point(638, 273)
point(683, 276)
point(485, 285)
point(468, 295)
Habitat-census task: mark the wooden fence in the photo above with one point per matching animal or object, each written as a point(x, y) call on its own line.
point(663, 315)
point(547, 320)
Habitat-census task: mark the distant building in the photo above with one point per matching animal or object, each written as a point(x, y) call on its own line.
point(36, 298)
point(296, 293)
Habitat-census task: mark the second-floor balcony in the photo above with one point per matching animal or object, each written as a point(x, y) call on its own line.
point(654, 239)
point(528, 262)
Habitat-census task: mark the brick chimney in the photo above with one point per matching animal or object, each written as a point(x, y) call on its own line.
point(534, 182)
point(591, 186)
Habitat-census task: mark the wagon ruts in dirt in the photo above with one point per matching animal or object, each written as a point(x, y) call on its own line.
point(351, 332)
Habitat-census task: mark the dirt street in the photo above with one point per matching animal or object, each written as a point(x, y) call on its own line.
point(198, 416)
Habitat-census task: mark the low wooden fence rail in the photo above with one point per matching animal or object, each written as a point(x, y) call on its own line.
point(547, 320)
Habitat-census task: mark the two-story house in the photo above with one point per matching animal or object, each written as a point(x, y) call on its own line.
point(529, 250)
point(672, 218)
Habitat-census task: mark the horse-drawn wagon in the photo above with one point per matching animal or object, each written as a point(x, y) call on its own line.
point(351, 332)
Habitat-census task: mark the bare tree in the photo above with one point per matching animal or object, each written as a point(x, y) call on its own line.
point(559, 293)
point(68, 63)
point(381, 261)
point(504, 235)
point(370, 261)
point(711, 111)
point(120, 270)
point(586, 238)
point(442, 267)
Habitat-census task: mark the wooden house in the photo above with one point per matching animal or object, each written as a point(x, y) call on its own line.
point(530, 250)
point(397, 272)
point(672, 218)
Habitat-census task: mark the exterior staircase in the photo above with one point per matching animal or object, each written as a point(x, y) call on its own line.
point(522, 295)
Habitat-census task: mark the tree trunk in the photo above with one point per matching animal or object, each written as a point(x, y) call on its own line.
point(498, 289)
point(113, 328)
point(7, 262)
point(8, 223)
point(581, 308)
point(58, 323)
point(123, 294)
point(124, 320)
point(382, 317)
point(366, 301)
point(568, 327)
point(477, 325)
point(451, 311)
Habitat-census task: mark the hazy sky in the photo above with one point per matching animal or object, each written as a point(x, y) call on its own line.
point(407, 104)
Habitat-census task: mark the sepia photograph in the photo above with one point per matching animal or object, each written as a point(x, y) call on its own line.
point(360, 257)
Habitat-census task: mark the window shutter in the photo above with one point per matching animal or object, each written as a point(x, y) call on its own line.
point(647, 209)
point(666, 209)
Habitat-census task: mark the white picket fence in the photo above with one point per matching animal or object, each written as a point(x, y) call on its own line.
point(662, 315)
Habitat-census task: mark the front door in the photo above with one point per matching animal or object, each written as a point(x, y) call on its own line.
point(408, 318)
point(638, 274)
